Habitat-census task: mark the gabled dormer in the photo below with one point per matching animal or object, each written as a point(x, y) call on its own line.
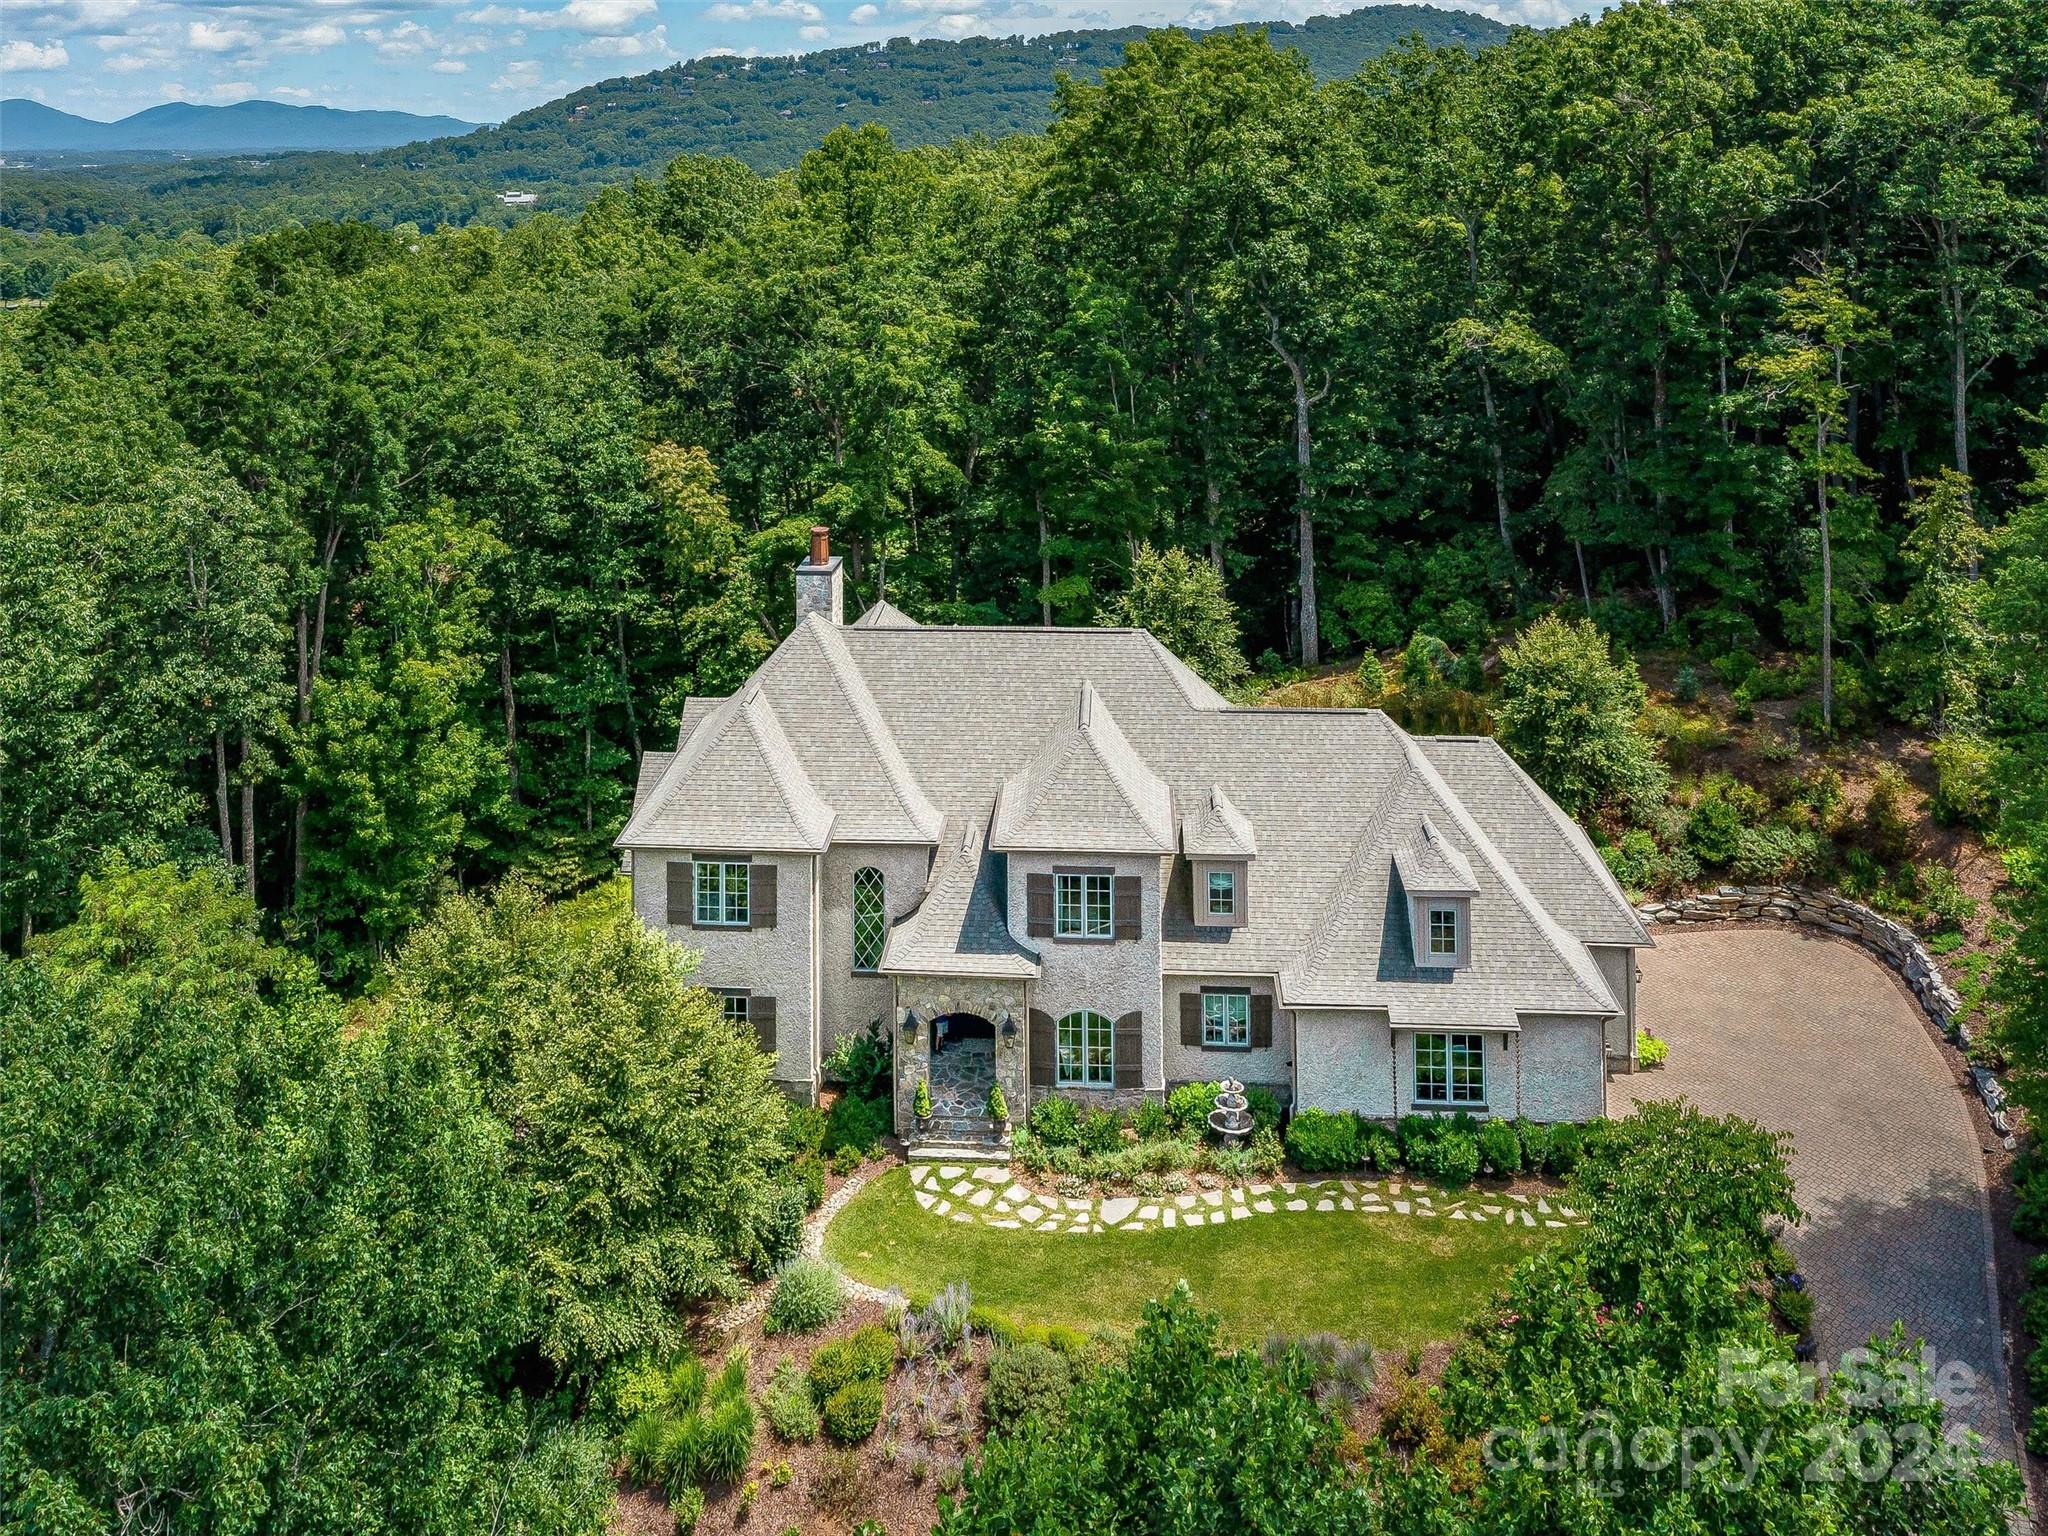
point(1440, 886)
point(1219, 844)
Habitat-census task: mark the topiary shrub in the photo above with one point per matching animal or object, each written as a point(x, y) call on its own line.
point(851, 1413)
point(1054, 1122)
point(1322, 1142)
point(807, 1296)
point(1500, 1148)
point(868, 1354)
point(792, 1411)
point(1025, 1379)
point(1188, 1107)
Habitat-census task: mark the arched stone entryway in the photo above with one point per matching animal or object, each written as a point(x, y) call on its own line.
point(963, 1066)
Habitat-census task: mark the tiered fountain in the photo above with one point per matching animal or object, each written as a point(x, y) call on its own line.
point(1231, 1122)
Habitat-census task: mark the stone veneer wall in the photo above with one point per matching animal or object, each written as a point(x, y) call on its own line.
point(932, 996)
point(1891, 942)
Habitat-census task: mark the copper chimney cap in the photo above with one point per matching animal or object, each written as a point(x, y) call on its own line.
point(821, 544)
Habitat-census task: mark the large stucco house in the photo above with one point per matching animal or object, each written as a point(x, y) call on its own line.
point(1058, 858)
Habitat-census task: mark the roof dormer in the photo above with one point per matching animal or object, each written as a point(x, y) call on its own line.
point(1219, 844)
point(1440, 885)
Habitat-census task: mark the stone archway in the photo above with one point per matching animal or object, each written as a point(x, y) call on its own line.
point(963, 1065)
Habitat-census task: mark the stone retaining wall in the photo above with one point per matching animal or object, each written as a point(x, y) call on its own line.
point(1891, 942)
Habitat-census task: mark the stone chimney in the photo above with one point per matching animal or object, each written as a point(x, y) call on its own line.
point(820, 583)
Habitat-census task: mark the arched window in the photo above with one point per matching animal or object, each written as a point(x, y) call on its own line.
point(1087, 1051)
point(870, 919)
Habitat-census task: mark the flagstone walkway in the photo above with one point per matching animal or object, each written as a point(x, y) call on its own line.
point(990, 1198)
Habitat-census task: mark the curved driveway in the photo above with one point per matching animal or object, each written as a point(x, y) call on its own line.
point(1814, 1037)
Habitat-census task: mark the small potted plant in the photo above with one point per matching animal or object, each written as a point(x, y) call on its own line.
point(999, 1109)
point(921, 1105)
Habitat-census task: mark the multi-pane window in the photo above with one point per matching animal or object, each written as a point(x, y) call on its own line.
point(1226, 1018)
point(1222, 893)
point(870, 919)
point(1449, 1069)
point(734, 1006)
point(722, 891)
point(1087, 1051)
point(1443, 931)
point(1084, 906)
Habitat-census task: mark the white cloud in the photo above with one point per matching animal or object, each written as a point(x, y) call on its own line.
point(311, 39)
point(26, 56)
point(232, 90)
point(814, 34)
point(519, 75)
point(610, 18)
point(407, 40)
point(448, 67)
point(624, 47)
point(861, 15)
point(208, 37)
point(65, 16)
point(758, 10)
point(292, 92)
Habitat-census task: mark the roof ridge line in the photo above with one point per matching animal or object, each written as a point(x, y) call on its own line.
point(1316, 950)
point(896, 767)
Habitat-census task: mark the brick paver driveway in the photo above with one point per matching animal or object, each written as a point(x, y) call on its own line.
point(1812, 1036)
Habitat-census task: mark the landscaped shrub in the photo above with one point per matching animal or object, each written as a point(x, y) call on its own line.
point(782, 1222)
point(726, 1443)
point(792, 1411)
point(810, 1177)
point(807, 1297)
point(851, 1413)
point(1099, 1131)
point(1887, 823)
point(868, 1354)
point(1054, 1122)
point(1379, 1150)
point(1500, 1148)
point(846, 1160)
point(1263, 1105)
point(1417, 1134)
point(2030, 1187)
point(805, 1130)
point(921, 1099)
point(1151, 1120)
point(1455, 1158)
point(1562, 1155)
point(1794, 1309)
point(1340, 1371)
point(1963, 787)
point(861, 1061)
point(1322, 1142)
point(1535, 1141)
point(1651, 1049)
point(998, 1103)
point(1025, 1379)
point(856, 1122)
point(1188, 1107)
point(1943, 895)
point(1260, 1155)
point(1685, 687)
point(686, 1508)
point(1713, 832)
point(682, 1432)
point(1775, 851)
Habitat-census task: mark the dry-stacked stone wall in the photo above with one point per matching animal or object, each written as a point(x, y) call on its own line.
point(1891, 942)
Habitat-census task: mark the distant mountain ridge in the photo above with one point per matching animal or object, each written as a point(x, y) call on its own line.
point(183, 127)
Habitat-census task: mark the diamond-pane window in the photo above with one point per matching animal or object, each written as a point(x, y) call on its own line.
point(870, 919)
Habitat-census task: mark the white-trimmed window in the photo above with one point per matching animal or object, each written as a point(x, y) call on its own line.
point(1444, 939)
point(1227, 1019)
point(733, 1005)
point(722, 894)
point(1087, 1051)
point(1084, 906)
point(870, 918)
point(1450, 1069)
point(1222, 893)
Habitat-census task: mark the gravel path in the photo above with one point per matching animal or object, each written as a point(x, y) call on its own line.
point(1812, 1036)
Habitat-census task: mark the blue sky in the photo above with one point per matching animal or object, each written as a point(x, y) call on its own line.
point(486, 59)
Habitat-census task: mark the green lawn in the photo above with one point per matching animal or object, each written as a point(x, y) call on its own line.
point(1396, 1282)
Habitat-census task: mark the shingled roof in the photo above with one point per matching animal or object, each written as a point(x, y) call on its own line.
point(736, 784)
point(910, 733)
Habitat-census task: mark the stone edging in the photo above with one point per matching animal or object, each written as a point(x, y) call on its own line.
point(1891, 942)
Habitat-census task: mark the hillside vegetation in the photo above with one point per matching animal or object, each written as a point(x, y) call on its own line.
point(765, 112)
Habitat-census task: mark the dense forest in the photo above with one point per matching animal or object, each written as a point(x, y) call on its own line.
point(348, 1120)
point(766, 112)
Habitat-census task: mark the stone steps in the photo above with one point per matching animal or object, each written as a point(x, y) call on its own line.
point(978, 1153)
